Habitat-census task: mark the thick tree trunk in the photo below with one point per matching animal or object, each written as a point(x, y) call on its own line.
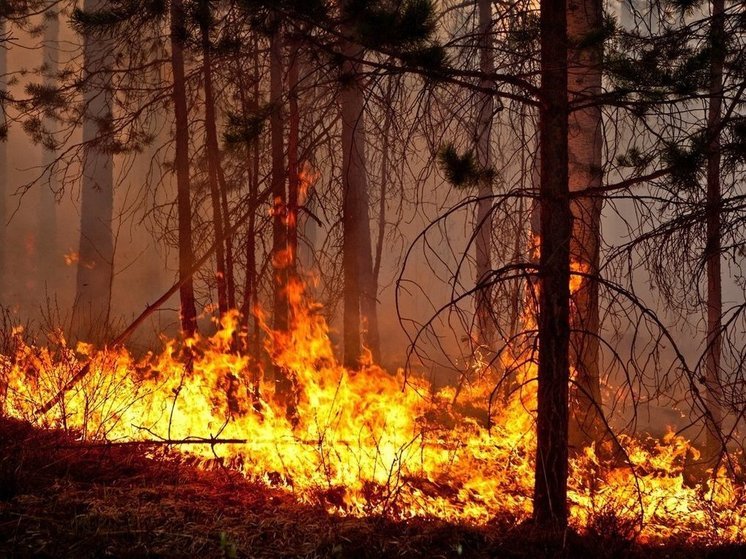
point(359, 300)
point(714, 391)
point(585, 140)
point(181, 164)
point(550, 490)
point(96, 249)
point(49, 255)
point(213, 159)
point(483, 136)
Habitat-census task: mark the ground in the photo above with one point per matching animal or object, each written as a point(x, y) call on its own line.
point(61, 498)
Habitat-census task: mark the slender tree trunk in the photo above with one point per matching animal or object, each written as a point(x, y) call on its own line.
point(550, 491)
point(181, 164)
point(293, 162)
point(283, 380)
point(230, 278)
point(353, 184)
point(383, 193)
point(213, 158)
point(3, 172)
point(96, 249)
point(585, 140)
point(251, 296)
point(713, 396)
point(279, 228)
point(486, 104)
point(49, 255)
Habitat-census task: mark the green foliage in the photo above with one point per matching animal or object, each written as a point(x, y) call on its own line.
point(245, 129)
point(117, 13)
point(685, 7)
point(633, 158)
point(431, 58)
point(45, 96)
point(382, 23)
point(685, 163)
point(734, 146)
point(462, 170)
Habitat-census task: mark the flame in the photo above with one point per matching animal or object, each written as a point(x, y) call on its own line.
point(365, 442)
point(71, 258)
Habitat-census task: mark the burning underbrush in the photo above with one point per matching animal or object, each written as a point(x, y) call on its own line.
point(360, 444)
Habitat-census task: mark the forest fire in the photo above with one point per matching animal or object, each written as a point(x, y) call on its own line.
point(365, 442)
point(372, 278)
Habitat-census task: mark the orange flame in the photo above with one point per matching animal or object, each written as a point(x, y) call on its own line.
point(367, 442)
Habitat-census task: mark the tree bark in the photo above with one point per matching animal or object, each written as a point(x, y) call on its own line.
point(213, 158)
point(355, 223)
point(251, 295)
point(483, 134)
point(283, 381)
point(49, 255)
point(96, 248)
point(3, 171)
point(293, 162)
point(585, 141)
point(550, 489)
point(181, 164)
point(383, 190)
point(714, 391)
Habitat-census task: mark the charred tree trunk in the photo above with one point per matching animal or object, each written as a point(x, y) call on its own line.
point(3, 171)
point(181, 164)
point(230, 278)
point(714, 391)
point(486, 104)
point(96, 249)
point(550, 490)
point(48, 255)
point(213, 158)
point(251, 295)
point(585, 140)
point(293, 163)
point(283, 381)
point(383, 191)
point(360, 301)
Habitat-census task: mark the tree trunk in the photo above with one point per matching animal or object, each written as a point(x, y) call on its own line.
point(213, 158)
point(293, 162)
point(483, 136)
point(251, 295)
point(283, 381)
point(585, 140)
point(181, 164)
point(550, 490)
point(3, 172)
point(383, 191)
point(713, 386)
point(49, 255)
point(359, 303)
point(96, 249)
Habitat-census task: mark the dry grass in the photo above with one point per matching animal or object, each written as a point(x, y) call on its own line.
point(59, 498)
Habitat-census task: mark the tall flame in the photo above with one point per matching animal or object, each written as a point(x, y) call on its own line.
point(366, 442)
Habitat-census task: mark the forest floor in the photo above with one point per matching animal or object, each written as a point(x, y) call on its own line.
point(62, 498)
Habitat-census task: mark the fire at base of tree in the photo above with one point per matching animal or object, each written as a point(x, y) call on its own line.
point(372, 278)
point(361, 443)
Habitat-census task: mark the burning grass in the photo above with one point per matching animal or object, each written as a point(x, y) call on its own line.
point(362, 448)
point(65, 498)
